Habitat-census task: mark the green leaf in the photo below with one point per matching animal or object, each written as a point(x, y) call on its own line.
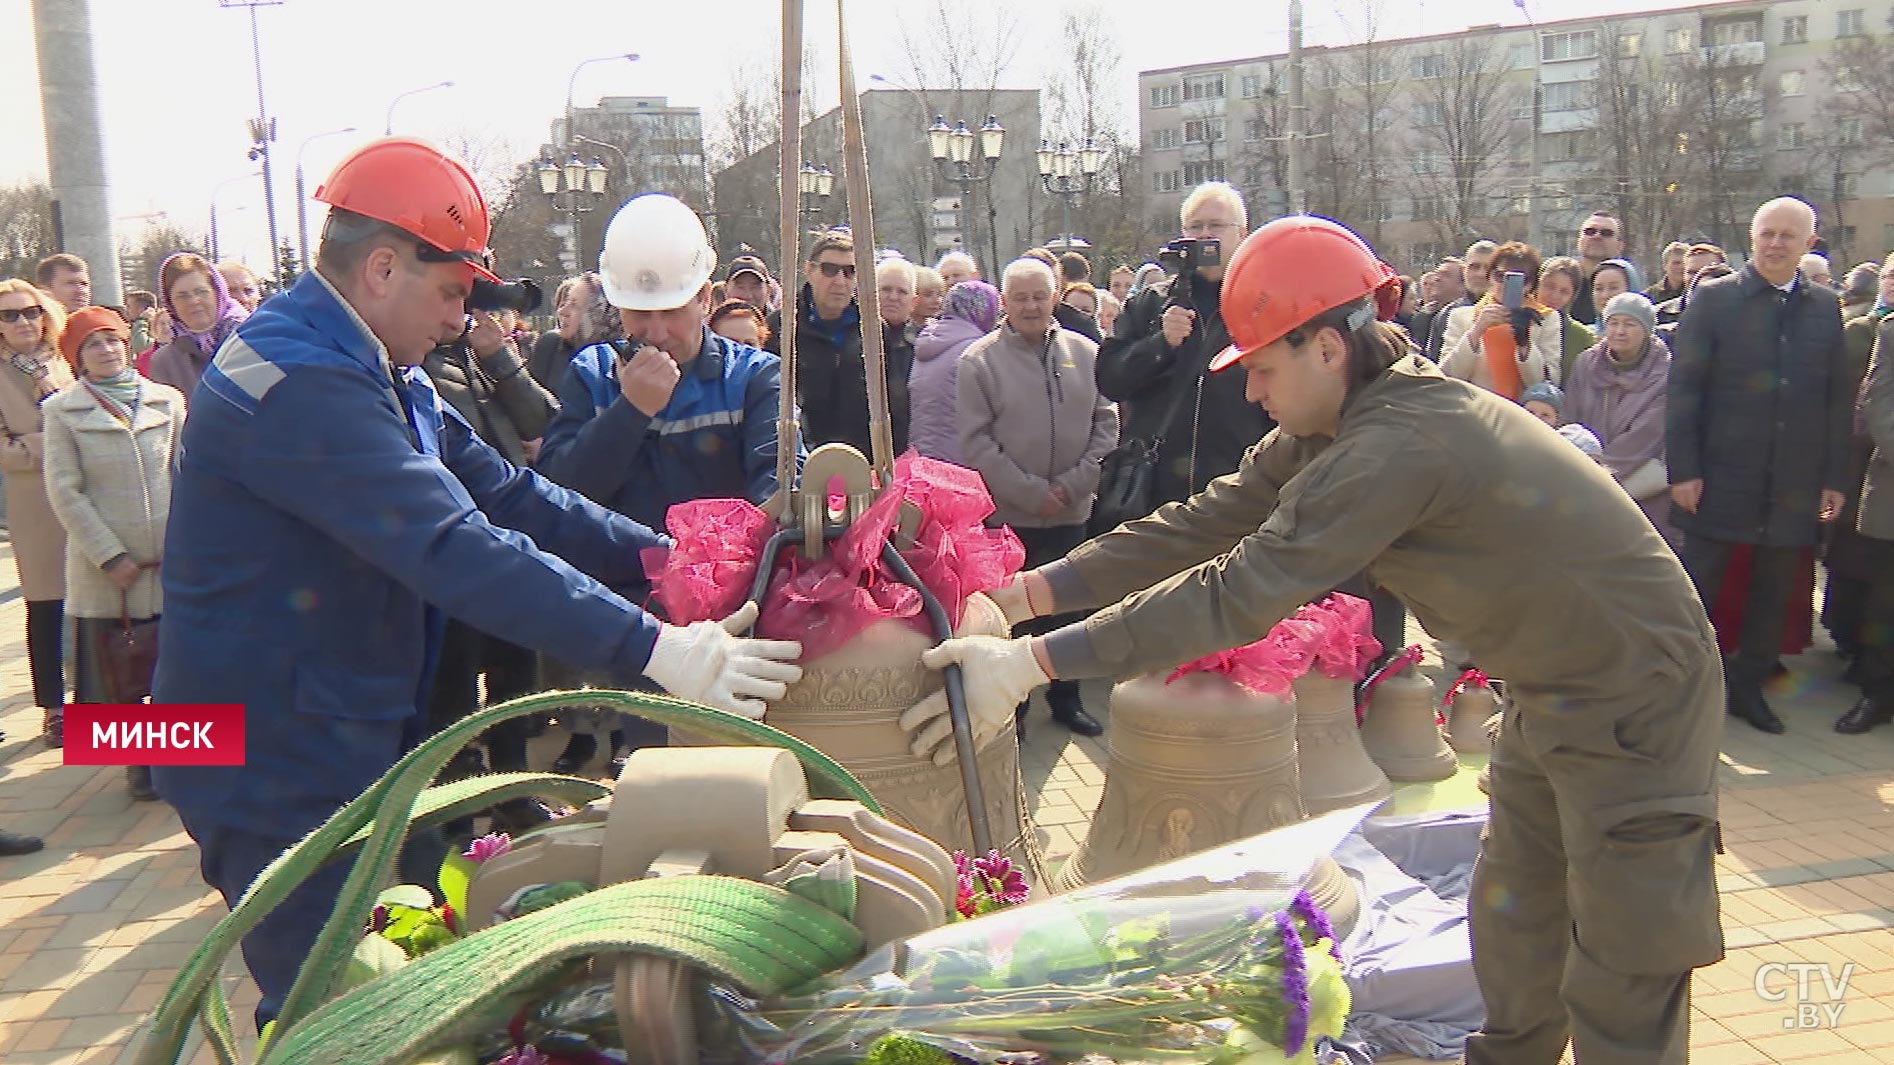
point(413, 896)
point(456, 873)
point(374, 957)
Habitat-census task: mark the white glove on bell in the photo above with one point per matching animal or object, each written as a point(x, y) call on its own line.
point(999, 675)
point(707, 662)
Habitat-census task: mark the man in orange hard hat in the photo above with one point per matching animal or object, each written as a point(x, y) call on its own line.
point(1595, 893)
point(331, 513)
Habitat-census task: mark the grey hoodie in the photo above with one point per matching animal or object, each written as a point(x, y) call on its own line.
point(1031, 417)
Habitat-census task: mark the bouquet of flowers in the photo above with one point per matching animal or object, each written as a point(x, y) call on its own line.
point(1219, 957)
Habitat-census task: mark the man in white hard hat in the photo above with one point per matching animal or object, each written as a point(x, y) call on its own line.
point(674, 412)
point(671, 413)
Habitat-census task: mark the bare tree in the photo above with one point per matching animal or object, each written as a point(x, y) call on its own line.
point(26, 228)
point(1357, 110)
point(522, 239)
point(1466, 126)
point(1646, 112)
point(1863, 72)
point(1081, 106)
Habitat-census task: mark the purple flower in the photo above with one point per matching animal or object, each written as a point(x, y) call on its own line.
point(1305, 908)
point(1295, 985)
point(526, 1055)
point(987, 883)
point(488, 847)
point(378, 918)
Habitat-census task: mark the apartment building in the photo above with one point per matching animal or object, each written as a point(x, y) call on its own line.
point(1680, 121)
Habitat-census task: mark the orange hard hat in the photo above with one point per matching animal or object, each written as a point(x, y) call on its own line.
point(1291, 270)
point(420, 190)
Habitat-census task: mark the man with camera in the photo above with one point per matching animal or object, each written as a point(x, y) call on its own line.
point(330, 513)
point(1154, 365)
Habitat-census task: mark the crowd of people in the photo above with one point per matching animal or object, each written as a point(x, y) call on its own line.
point(359, 505)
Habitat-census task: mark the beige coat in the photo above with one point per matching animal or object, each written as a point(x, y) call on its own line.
point(1460, 355)
point(39, 543)
point(111, 486)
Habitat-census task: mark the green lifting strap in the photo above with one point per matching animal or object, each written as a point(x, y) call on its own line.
point(384, 813)
point(761, 938)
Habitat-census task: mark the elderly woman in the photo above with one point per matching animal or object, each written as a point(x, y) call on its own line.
point(1500, 349)
point(111, 444)
point(203, 314)
point(930, 291)
point(1617, 391)
point(584, 319)
point(30, 372)
point(971, 311)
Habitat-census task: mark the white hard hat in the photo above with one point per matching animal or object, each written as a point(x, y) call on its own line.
point(656, 256)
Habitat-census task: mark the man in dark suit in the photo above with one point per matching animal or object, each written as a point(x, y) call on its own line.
point(1760, 409)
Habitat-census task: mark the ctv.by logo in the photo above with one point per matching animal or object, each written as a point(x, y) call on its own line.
point(1814, 1005)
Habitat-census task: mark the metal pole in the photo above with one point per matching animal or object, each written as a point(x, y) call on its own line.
point(266, 132)
point(1535, 226)
point(302, 198)
point(75, 146)
point(1298, 113)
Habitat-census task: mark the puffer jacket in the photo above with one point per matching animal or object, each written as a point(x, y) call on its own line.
point(933, 396)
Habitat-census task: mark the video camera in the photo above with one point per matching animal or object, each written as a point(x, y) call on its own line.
point(521, 295)
point(1182, 258)
point(1187, 254)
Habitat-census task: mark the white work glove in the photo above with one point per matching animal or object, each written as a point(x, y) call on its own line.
point(706, 662)
point(999, 675)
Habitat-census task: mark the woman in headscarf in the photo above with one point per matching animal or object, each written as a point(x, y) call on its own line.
point(1617, 390)
point(202, 314)
point(111, 444)
point(31, 371)
point(971, 310)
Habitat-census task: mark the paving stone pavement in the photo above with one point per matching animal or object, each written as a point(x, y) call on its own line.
point(94, 927)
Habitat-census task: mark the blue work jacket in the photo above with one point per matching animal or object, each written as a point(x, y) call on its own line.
point(328, 511)
point(715, 439)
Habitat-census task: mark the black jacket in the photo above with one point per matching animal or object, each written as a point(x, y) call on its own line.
point(1760, 408)
point(1214, 425)
point(832, 381)
point(1070, 317)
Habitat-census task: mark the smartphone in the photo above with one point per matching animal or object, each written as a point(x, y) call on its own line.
point(1512, 293)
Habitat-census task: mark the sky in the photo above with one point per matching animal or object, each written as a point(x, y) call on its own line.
point(177, 85)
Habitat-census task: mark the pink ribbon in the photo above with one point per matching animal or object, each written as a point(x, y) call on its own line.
point(1409, 657)
point(1268, 666)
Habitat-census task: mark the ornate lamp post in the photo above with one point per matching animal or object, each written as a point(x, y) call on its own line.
point(1066, 172)
point(953, 150)
point(581, 184)
point(815, 184)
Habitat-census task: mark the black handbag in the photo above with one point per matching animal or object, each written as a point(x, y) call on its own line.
point(1127, 478)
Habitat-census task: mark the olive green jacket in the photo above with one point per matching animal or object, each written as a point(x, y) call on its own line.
point(1496, 532)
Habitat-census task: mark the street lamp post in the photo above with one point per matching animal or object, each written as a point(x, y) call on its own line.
point(576, 181)
point(262, 127)
point(216, 191)
point(1066, 172)
point(388, 127)
point(815, 184)
point(1535, 227)
point(582, 185)
point(953, 150)
point(302, 198)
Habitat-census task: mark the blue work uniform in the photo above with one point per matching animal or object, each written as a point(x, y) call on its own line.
point(715, 437)
point(329, 513)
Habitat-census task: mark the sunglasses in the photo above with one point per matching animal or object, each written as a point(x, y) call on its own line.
point(1594, 231)
point(30, 313)
point(836, 269)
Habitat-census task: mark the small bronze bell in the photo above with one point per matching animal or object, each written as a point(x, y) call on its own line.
point(1400, 730)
